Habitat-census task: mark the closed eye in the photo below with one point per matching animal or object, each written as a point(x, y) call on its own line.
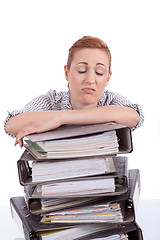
point(81, 72)
point(99, 74)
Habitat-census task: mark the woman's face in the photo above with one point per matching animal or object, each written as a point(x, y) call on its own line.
point(88, 76)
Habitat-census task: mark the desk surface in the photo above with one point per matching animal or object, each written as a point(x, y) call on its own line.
point(148, 218)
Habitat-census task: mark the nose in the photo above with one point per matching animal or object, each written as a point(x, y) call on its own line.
point(90, 77)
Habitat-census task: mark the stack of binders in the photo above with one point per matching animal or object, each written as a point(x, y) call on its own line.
point(76, 186)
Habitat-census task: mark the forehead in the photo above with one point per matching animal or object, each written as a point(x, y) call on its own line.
point(91, 56)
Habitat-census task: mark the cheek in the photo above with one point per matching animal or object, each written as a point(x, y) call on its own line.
point(102, 83)
point(74, 82)
point(76, 78)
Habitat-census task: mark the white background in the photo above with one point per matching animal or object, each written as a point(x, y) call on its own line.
point(34, 42)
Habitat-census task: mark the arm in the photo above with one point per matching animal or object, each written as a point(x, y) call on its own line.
point(38, 115)
point(119, 114)
point(34, 122)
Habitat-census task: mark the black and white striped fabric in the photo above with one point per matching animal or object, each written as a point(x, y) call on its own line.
point(54, 100)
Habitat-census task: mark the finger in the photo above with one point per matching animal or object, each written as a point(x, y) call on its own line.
point(24, 132)
point(21, 142)
point(21, 134)
point(16, 142)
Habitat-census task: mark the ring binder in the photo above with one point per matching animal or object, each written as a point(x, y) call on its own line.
point(67, 131)
point(25, 171)
point(29, 210)
point(32, 227)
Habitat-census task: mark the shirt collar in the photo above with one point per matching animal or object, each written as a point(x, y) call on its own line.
point(102, 100)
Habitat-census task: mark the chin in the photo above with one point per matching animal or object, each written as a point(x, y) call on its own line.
point(89, 104)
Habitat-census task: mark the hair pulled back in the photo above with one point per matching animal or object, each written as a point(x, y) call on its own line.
point(88, 42)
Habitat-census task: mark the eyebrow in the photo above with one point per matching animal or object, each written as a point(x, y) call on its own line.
point(87, 64)
point(101, 64)
point(82, 63)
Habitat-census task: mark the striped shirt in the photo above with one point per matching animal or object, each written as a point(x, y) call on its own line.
point(54, 100)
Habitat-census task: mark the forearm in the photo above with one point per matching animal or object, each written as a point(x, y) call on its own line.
point(41, 121)
point(22, 120)
point(119, 114)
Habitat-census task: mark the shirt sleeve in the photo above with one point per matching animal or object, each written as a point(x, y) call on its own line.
point(117, 99)
point(40, 103)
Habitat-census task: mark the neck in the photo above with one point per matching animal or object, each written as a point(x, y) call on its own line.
point(78, 106)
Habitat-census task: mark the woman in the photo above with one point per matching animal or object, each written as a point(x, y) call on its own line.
point(88, 72)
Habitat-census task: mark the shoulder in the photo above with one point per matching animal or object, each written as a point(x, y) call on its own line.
point(112, 98)
point(108, 98)
point(59, 100)
point(57, 96)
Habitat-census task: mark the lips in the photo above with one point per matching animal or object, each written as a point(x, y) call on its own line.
point(88, 90)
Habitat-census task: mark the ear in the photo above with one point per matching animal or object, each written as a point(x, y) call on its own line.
point(109, 75)
point(66, 70)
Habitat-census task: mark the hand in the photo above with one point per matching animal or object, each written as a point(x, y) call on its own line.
point(19, 141)
point(39, 125)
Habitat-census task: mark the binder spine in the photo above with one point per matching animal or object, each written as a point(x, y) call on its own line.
point(30, 236)
point(20, 215)
point(24, 171)
point(134, 176)
point(121, 164)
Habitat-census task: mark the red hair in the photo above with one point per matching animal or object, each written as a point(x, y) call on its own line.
point(88, 42)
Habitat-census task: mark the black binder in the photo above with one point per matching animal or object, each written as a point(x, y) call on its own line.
point(31, 226)
point(67, 131)
point(25, 171)
point(128, 200)
point(121, 181)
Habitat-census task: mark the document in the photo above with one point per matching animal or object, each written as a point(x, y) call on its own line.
point(105, 143)
point(113, 237)
point(71, 168)
point(78, 187)
point(54, 204)
point(108, 139)
point(79, 232)
point(106, 212)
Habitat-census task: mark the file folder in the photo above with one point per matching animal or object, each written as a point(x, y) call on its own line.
point(121, 182)
point(128, 201)
point(31, 227)
point(118, 170)
point(67, 131)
